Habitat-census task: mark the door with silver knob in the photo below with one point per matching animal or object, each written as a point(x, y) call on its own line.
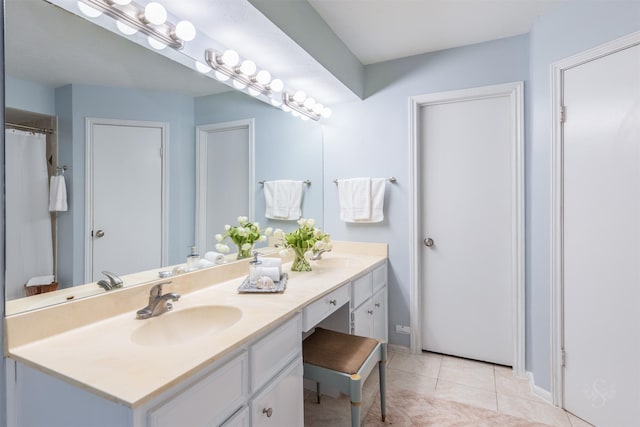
point(428, 242)
point(99, 233)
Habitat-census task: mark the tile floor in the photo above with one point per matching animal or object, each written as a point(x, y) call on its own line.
point(474, 383)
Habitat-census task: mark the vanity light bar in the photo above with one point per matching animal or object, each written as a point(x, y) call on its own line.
point(132, 15)
point(291, 102)
point(214, 59)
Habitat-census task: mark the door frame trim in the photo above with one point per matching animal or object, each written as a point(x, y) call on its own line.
point(515, 92)
point(88, 196)
point(201, 165)
point(557, 191)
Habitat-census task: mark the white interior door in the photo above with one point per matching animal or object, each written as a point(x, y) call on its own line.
point(601, 238)
point(126, 197)
point(467, 205)
point(225, 178)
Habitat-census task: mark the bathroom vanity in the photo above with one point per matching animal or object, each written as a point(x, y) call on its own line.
point(219, 358)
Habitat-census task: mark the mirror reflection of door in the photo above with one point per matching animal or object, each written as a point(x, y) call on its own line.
point(125, 196)
point(225, 178)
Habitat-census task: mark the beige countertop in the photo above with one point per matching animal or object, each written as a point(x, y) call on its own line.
point(99, 355)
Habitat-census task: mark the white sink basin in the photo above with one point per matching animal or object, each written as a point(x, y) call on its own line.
point(184, 325)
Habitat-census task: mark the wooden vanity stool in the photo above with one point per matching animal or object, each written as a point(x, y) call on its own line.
point(344, 361)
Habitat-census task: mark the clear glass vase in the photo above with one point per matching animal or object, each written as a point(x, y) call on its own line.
point(300, 263)
point(242, 253)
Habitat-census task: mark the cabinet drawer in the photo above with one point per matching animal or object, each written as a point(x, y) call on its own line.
point(361, 290)
point(317, 311)
point(379, 277)
point(207, 402)
point(281, 403)
point(272, 353)
point(239, 419)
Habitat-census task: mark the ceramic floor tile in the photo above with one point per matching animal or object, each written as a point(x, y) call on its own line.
point(509, 384)
point(478, 397)
point(468, 372)
point(577, 422)
point(541, 412)
point(401, 380)
point(426, 364)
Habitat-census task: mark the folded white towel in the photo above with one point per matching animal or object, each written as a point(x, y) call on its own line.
point(41, 280)
point(271, 272)
point(272, 262)
point(57, 194)
point(355, 207)
point(355, 199)
point(283, 199)
point(214, 257)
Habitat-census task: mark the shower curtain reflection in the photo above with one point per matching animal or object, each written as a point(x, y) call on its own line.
point(29, 238)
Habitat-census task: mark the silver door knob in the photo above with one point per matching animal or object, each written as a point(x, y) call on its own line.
point(99, 233)
point(428, 242)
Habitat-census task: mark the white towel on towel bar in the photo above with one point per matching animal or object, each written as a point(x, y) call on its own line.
point(57, 194)
point(361, 199)
point(283, 199)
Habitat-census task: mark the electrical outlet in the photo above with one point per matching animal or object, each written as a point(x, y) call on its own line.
point(403, 329)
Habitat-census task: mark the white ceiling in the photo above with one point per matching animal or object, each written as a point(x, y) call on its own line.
point(49, 45)
point(380, 30)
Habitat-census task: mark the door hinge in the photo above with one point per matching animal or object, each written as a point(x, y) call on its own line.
point(563, 114)
point(563, 355)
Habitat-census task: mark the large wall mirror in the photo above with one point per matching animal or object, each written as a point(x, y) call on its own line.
point(94, 91)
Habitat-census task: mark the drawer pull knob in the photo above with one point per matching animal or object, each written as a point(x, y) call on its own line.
point(333, 302)
point(268, 411)
point(370, 311)
point(377, 304)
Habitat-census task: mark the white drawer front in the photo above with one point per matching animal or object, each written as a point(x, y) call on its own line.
point(281, 403)
point(379, 277)
point(207, 402)
point(317, 311)
point(361, 290)
point(269, 355)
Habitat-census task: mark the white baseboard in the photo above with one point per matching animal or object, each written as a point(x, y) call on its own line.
point(537, 390)
point(399, 348)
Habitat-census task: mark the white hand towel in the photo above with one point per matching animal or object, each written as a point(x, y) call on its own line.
point(355, 199)
point(41, 280)
point(377, 200)
point(214, 257)
point(283, 199)
point(271, 272)
point(272, 262)
point(57, 194)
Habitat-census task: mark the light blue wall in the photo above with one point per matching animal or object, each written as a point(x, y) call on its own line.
point(371, 138)
point(74, 104)
point(29, 96)
point(285, 148)
point(569, 28)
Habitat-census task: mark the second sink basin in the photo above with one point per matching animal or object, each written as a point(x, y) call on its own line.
point(179, 326)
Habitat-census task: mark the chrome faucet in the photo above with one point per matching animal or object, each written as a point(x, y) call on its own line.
point(158, 303)
point(114, 281)
point(318, 254)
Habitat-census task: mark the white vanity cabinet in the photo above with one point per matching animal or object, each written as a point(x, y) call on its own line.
point(280, 403)
point(369, 304)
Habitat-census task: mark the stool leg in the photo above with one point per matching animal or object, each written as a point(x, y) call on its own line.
point(382, 367)
point(355, 395)
point(318, 392)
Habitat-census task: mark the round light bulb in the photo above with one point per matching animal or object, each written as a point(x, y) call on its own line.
point(304, 118)
point(285, 108)
point(309, 103)
point(248, 67)
point(299, 96)
point(88, 10)
point(276, 85)
point(185, 31)
point(275, 102)
point(202, 68)
point(230, 58)
point(253, 92)
point(121, 2)
point(125, 29)
point(239, 85)
point(326, 112)
point(294, 113)
point(221, 76)
point(155, 13)
point(263, 77)
point(318, 108)
point(155, 43)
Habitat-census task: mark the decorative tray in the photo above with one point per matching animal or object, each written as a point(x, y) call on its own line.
point(280, 286)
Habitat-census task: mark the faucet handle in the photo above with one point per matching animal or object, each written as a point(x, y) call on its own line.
point(114, 280)
point(156, 290)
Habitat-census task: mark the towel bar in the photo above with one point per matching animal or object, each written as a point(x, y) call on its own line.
point(306, 181)
point(390, 179)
